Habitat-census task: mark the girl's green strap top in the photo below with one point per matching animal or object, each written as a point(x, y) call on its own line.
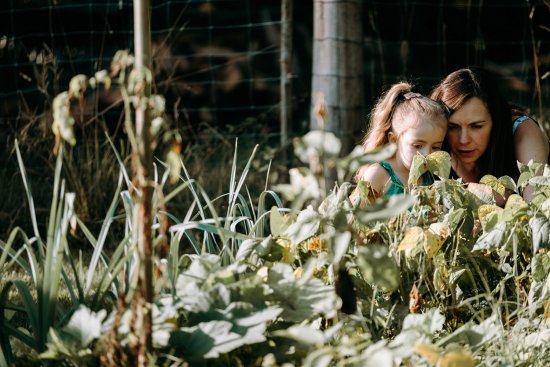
point(396, 186)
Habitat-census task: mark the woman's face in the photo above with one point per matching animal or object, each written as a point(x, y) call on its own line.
point(469, 131)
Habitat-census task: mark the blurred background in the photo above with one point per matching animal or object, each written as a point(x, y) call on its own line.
point(218, 63)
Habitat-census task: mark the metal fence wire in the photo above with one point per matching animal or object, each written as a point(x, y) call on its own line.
point(217, 61)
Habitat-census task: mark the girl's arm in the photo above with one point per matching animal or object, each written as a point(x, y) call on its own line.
point(376, 176)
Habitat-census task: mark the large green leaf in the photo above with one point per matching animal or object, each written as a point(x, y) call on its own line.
point(237, 325)
point(428, 323)
point(384, 208)
point(306, 226)
point(541, 266)
point(301, 299)
point(493, 239)
point(540, 226)
point(377, 267)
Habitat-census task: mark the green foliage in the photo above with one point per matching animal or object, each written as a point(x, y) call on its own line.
point(438, 276)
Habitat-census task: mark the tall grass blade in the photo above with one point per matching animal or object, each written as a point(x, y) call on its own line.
point(98, 248)
point(30, 307)
point(32, 210)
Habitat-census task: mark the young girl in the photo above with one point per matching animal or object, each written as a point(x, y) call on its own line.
point(415, 123)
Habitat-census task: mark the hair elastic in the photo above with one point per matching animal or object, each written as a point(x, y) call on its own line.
point(410, 95)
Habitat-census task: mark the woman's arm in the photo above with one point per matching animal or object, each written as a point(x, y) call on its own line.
point(531, 143)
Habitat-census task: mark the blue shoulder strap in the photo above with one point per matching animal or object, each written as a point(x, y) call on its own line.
point(396, 185)
point(518, 121)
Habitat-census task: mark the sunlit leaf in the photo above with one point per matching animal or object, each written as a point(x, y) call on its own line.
point(428, 351)
point(540, 226)
point(414, 237)
point(439, 163)
point(482, 191)
point(457, 358)
point(489, 215)
point(419, 166)
point(427, 323)
point(493, 183)
point(358, 157)
point(302, 298)
point(540, 181)
point(435, 237)
point(306, 226)
point(492, 239)
point(541, 266)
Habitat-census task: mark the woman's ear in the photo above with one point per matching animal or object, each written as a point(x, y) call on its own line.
point(392, 138)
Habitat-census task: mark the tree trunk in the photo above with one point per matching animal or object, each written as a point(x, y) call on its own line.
point(338, 68)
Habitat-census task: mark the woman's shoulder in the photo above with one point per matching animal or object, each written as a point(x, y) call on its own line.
point(525, 120)
point(530, 141)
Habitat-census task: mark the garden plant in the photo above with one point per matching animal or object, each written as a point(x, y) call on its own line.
point(303, 274)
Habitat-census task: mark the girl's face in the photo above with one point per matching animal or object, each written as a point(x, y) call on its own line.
point(424, 137)
point(469, 131)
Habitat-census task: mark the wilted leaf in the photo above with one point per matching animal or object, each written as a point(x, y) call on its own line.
point(439, 163)
point(457, 358)
point(363, 194)
point(493, 183)
point(486, 209)
point(489, 215)
point(358, 158)
point(415, 300)
point(475, 336)
point(483, 192)
point(419, 166)
point(317, 143)
point(414, 237)
point(435, 237)
point(515, 207)
point(429, 352)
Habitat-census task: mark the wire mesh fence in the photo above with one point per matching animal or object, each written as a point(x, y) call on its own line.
point(217, 61)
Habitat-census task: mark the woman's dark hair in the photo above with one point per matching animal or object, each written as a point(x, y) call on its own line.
point(456, 89)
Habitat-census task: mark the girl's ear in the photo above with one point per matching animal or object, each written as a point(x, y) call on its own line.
point(392, 138)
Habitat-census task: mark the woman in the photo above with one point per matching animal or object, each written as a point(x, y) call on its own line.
point(481, 129)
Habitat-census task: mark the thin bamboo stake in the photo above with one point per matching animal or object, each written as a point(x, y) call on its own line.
point(144, 174)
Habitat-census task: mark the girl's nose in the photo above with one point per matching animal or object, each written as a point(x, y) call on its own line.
point(426, 150)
